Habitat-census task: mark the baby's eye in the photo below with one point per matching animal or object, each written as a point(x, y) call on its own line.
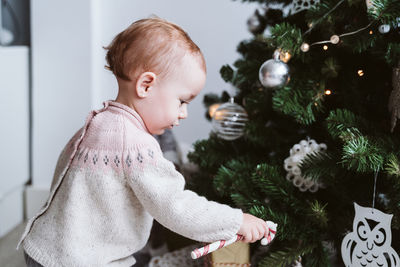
point(184, 102)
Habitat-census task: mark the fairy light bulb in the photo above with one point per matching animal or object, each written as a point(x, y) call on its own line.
point(334, 39)
point(285, 56)
point(371, 32)
point(325, 47)
point(213, 108)
point(328, 92)
point(305, 47)
point(360, 73)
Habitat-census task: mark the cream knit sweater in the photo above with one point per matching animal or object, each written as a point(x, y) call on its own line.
point(111, 180)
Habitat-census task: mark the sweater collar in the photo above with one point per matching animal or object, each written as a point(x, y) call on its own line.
point(129, 110)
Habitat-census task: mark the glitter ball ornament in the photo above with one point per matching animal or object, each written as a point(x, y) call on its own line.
point(291, 164)
point(274, 72)
point(229, 121)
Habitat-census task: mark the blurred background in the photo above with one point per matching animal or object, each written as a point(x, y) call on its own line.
point(52, 74)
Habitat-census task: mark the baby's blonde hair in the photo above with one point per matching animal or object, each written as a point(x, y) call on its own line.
point(151, 44)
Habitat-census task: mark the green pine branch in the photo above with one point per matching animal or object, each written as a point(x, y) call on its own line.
point(319, 213)
point(300, 101)
point(362, 41)
point(227, 73)
point(320, 166)
point(272, 183)
point(287, 37)
point(232, 177)
point(344, 124)
point(244, 202)
point(289, 227)
point(361, 155)
point(318, 257)
point(392, 166)
point(386, 11)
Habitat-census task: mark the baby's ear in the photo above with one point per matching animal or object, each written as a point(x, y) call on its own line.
point(144, 84)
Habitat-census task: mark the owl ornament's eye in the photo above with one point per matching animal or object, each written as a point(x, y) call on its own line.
point(362, 231)
point(380, 237)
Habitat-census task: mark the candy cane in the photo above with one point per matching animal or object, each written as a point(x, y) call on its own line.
point(199, 252)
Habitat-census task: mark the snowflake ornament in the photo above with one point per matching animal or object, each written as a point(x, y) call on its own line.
point(300, 5)
point(291, 164)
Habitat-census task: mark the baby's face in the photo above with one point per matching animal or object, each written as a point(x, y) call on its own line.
point(171, 96)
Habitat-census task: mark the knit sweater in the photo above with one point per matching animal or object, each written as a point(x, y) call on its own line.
point(110, 181)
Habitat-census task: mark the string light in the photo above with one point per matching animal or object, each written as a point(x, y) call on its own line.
point(334, 39)
point(360, 73)
point(323, 17)
point(213, 108)
point(284, 56)
point(328, 92)
point(305, 47)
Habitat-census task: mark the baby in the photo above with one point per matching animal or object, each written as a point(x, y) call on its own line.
point(111, 179)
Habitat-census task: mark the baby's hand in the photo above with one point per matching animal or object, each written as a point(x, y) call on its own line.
point(252, 228)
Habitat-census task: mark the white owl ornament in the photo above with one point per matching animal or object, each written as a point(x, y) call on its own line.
point(370, 242)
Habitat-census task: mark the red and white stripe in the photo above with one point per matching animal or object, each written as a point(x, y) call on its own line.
point(199, 252)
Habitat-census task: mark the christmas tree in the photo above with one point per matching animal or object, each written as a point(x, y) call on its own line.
point(313, 144)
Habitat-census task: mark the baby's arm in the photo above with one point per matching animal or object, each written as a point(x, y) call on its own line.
point(160, 190)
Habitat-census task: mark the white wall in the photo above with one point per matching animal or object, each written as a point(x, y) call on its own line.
point(69, 77)
point(61, 79)
point(14, 141)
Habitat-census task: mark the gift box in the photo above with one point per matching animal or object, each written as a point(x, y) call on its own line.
point(236, 254)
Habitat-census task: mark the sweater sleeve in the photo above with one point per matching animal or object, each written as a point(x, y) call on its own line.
point(160, 189)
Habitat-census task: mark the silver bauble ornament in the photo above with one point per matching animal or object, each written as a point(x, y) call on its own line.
point(229, 121)
point(384, 28)
point(273, 72)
